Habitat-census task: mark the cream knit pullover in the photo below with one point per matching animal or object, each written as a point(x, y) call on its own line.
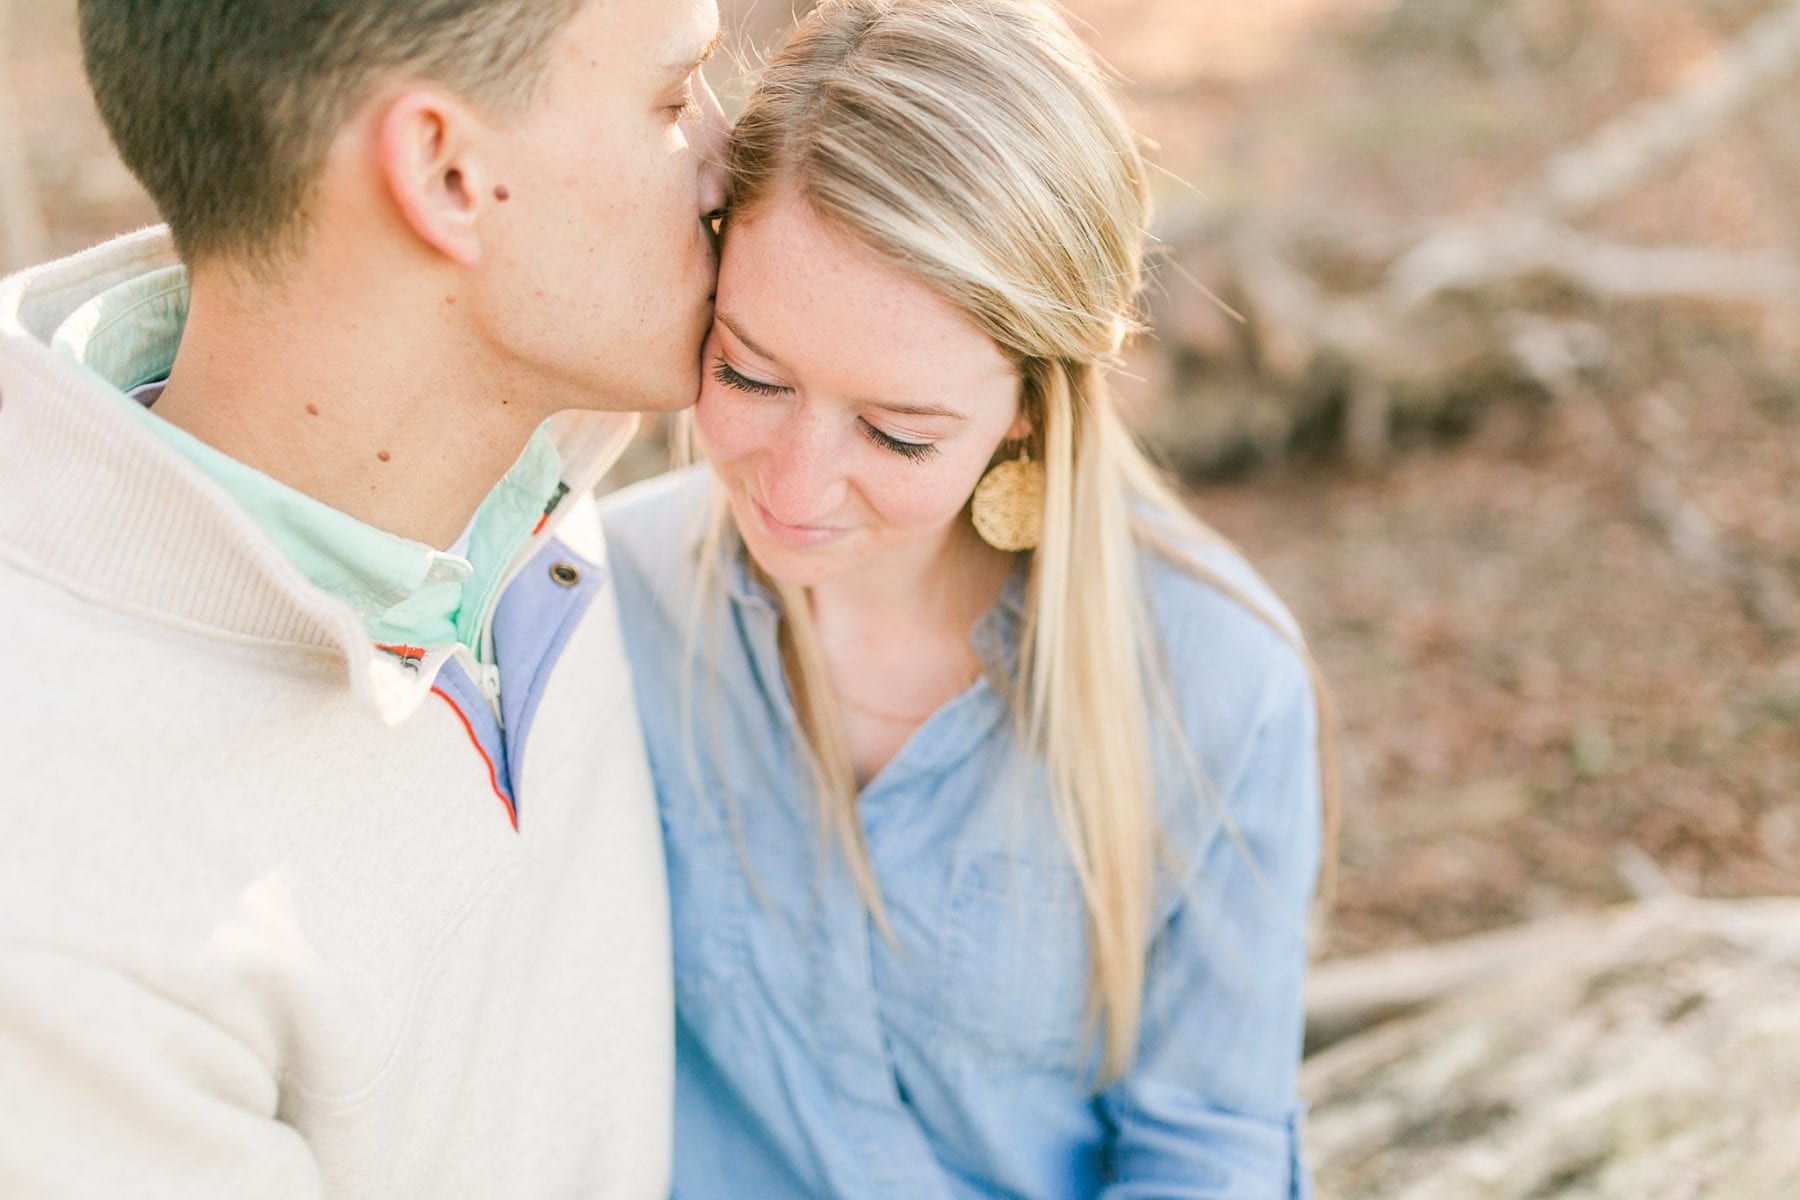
point(266, 926)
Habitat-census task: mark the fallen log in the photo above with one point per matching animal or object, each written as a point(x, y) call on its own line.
point(1648, 1054)
point(1350, 996)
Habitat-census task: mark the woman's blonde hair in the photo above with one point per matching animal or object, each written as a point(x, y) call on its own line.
point(977, 146)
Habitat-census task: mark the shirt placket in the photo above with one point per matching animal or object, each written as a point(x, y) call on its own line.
point(891, 1157)
point(892, 1153)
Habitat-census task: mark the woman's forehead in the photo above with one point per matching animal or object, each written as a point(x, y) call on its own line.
point(797, 288)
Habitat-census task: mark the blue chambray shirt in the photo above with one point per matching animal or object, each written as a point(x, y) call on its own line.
point(815, 1057)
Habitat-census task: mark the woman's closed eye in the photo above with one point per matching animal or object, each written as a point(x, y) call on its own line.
point(735, 379)
point(916, 451)
point(728, 375)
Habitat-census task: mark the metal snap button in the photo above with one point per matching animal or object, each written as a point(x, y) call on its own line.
point(565, 574)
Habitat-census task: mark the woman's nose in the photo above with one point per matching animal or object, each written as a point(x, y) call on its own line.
point(802, 480)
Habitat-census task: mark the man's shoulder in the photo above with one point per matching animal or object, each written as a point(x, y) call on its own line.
point(44, 621)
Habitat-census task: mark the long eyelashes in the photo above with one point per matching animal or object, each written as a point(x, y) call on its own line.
point(723, 372)
point(732, 378)
point(915, 451)
point(685, 109)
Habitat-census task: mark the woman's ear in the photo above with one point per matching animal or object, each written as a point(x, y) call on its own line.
point(1025, 422)
point(426, 142)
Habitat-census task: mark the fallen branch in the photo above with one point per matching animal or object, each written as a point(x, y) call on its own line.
point(1471, 257)
point(1391, 351)
point(1349, 996)
point(1650, 137)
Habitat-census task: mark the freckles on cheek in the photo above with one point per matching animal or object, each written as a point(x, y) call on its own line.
point(726, 431)
point(924, 500)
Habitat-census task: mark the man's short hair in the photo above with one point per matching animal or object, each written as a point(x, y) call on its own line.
point(225, 109)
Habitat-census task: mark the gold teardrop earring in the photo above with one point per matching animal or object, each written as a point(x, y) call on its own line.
point(1008, 506)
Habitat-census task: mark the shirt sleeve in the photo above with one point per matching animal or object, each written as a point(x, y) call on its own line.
point(1210, 1109)
point(110, 1088)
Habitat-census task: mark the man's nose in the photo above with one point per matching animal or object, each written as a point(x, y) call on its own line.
point(712, 139)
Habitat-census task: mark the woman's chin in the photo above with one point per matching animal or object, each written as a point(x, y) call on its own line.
point(801, 568)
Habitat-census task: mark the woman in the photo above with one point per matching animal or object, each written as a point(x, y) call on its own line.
point(992, 812)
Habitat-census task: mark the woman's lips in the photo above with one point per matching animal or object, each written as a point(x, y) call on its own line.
point(799, 537)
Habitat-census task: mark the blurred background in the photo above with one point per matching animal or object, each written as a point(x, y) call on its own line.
point(1478, 328)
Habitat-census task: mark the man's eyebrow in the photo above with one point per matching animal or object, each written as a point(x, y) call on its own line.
point(700, 57)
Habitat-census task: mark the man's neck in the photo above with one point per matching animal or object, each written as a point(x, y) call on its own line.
point(363, 398)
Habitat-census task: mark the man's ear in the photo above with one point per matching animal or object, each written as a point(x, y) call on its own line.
point(426, 144)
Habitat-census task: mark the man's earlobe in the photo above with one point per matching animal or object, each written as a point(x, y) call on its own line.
point(430, 172)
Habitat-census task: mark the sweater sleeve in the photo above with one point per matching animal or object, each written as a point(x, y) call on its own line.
point(109, 1088)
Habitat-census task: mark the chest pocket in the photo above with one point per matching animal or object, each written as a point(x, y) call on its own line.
point(708, 896)
point(1012, 986)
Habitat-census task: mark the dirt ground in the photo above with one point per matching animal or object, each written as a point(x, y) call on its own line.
point(1546, 706)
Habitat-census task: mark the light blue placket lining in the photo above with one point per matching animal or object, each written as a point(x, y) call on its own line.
point(407, 593)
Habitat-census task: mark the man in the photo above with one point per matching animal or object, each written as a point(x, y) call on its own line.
point(329, 862)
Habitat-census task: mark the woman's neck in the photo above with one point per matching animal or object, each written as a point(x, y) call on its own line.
point(945, 589)
point(896, 643)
